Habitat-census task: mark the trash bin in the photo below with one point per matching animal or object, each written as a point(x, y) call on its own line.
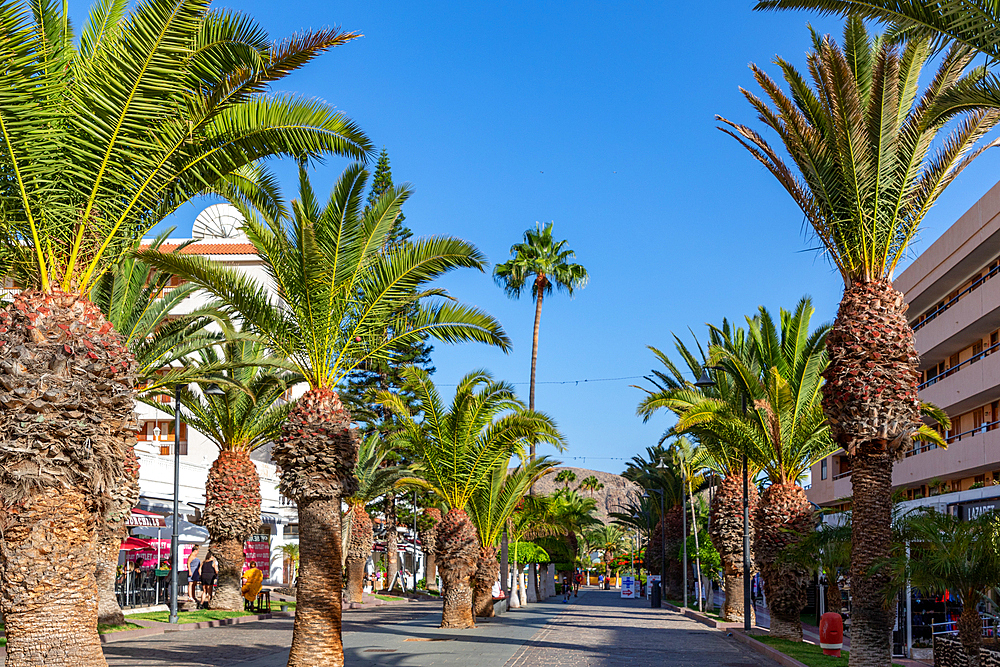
point(654, 595)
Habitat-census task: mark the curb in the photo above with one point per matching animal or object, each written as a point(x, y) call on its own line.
point(125, 635)
point(201, 625)
point(703, 618)
point(766, 650)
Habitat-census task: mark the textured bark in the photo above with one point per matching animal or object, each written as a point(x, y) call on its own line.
point(486, 574)
point(228, 588)
point(871, 534)
point(870, 399)
point(726, 532)
point(358, 551)
point(108, 611)
point(49, 594)
point(970, 631)
point(391, 541)
point(532, 580)
point(834, 601)
point(458, 549)
point(316, 455)
point(428, 539)
point(232, 515)
point(784, 516)
point(66, 435)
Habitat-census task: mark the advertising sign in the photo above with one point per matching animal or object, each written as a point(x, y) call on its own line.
point(257, 550)
point(628, 587)
point(973, 510)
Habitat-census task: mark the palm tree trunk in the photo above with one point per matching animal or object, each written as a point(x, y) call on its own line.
point(487, 571)
point(48, 593)
point(391, 541)
point(316, 638)
point(870, 399)
point(970, 629)
point(534, 356)
point(108, 610)
point(66, 402)
point(358, 551)
point(458, 547)
point(834, 601)
point(316, 455)
point(783, 517)
point(229, 557)
point(522, 590)
point(726, 532)
point(431, 571)
point(871, 531)
point(232, 514)
point(515, 595)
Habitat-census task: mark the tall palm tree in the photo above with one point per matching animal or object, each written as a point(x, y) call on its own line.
point(456, 451)
point(490, 507)
point(248, 414)
point(101, 136)
point(718, 453)
point(341, 298)
point(375, 479)
point(861, 139)
point(544, 263)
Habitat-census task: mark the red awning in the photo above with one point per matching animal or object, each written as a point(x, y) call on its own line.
point(135, 544)
point(144, 519)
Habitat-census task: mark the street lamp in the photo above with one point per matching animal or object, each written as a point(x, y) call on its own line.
point(663, 539)
point(704, 382)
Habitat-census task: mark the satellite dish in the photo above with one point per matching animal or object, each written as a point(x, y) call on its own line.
point(219, 221)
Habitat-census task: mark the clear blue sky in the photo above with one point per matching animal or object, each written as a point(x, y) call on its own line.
point(599, 116)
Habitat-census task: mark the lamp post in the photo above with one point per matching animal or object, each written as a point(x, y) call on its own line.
point(704, 382)
point(663, 539)
point(210, 390)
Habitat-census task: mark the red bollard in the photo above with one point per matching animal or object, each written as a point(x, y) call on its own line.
point(831, 633)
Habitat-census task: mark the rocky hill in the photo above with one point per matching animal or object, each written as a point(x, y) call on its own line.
point(609, 499)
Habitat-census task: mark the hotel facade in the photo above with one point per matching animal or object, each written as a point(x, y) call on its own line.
point(953, 292)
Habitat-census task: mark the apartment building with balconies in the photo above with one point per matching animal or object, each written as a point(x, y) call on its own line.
point(953, 292)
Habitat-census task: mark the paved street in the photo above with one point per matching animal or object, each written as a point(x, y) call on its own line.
point(597, 629)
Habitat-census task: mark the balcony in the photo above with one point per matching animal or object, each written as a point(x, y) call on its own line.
point(969, 385)
point(971, 317)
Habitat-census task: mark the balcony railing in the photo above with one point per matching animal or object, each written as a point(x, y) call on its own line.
point(982, 428)
point(842, 475)
point(954, 369)
point(948, 304)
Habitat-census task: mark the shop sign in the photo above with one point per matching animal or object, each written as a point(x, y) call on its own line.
point(973, 510)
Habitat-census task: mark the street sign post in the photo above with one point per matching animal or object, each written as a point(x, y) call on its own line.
point(628, 587)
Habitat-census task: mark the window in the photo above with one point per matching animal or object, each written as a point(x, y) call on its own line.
point(994, 406)
point(822, 469)
point(977, 349)
point(977, 419)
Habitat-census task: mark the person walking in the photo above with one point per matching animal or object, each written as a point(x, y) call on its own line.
point(194, 571)
point(567, 588)
point(209, 576)
point(578, 581)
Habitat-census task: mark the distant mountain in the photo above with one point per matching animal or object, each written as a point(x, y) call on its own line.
point(609, 499)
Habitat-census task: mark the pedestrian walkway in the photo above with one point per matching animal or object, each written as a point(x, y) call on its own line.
point(597, 629)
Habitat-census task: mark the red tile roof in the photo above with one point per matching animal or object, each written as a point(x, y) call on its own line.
point(211, 248)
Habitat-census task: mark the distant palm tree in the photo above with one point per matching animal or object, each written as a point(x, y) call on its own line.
point(375, 479)
point(591, 485)
point(867, 166)
point(565, 477)
point(291, 553)
point(610, 539)
point(544, 262)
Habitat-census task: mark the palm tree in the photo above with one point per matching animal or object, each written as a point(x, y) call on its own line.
point(247, 414)
point(533, 517)
point(544, 263)
point(780, 371)
point(565, 477)
point(865, 193)
point(341, 299)
point(490, 507)
point(590, 485)
point(718, 453)
point(291, 554)
point(456, 451)
point(949, 554)
point(428, 543)
point(100, 138)
point(375, 479)
point(610, 539)
point(829, 546)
